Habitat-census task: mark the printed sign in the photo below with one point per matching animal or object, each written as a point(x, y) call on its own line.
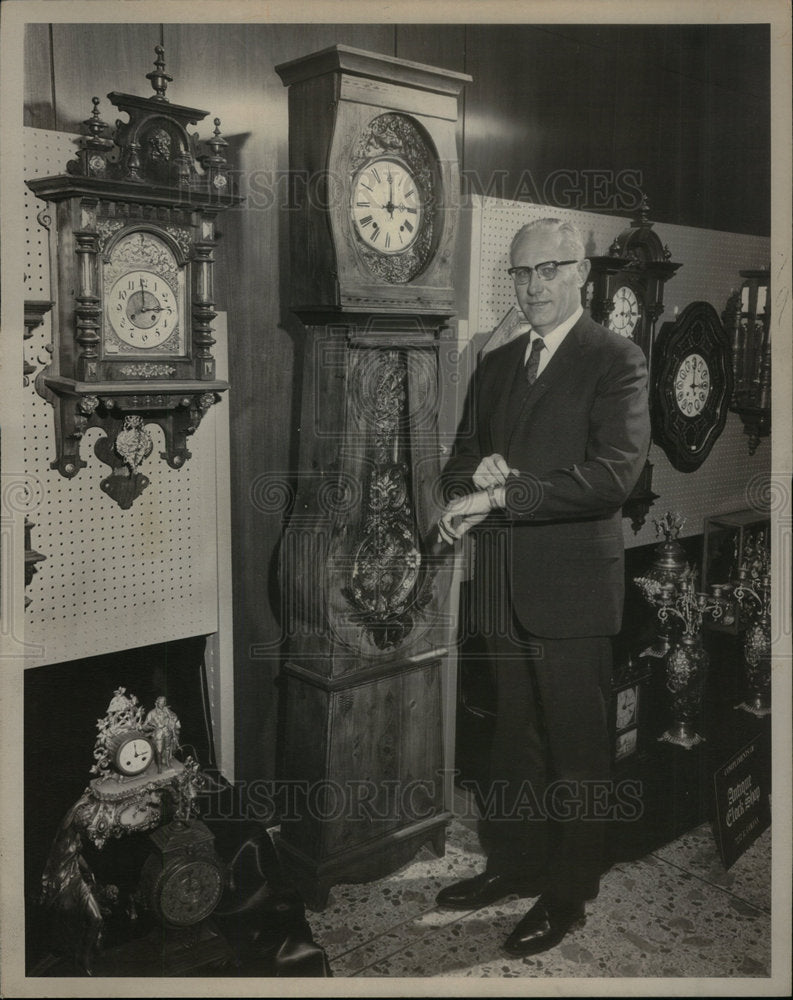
point(743, 807)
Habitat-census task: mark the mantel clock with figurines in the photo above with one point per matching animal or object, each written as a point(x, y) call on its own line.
point(132, 268)
point(139, 785)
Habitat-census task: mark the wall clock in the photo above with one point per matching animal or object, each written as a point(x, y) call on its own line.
point(625, 292)
point(692, 385)
point(375, 189)
point(133, 269)
point(626, 313)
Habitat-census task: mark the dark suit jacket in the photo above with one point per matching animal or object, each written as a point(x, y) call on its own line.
point(579, 441)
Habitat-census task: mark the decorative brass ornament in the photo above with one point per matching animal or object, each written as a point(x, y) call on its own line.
point(679, 605)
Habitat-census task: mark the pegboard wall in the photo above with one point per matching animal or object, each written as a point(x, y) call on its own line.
point(711, 265)
point(113, 579)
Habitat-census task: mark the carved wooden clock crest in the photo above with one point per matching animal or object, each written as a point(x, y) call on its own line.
point(373, 221)
point(133, 260)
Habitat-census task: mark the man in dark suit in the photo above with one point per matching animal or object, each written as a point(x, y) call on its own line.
point(558, 435)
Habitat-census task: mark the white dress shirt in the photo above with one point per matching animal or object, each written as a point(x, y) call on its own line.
point(552, 340)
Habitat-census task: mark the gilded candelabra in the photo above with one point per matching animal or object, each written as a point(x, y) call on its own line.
point(668, 567)
point(681, 611)
point(756, 591)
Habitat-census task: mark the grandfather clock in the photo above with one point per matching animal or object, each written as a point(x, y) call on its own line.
point(375, 180)
point(625, 292)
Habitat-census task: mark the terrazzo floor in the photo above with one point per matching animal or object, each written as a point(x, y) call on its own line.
point(674, 913)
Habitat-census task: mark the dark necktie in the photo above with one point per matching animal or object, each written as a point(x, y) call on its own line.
point(534, 360)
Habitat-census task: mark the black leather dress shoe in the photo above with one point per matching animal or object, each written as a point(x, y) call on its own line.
point(543, 927)
point(480, 891)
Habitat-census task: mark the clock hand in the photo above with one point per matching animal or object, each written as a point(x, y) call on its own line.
point(151, 309)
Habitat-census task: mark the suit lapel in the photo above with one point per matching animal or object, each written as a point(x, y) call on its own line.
point(566, 357)
point(507, 373)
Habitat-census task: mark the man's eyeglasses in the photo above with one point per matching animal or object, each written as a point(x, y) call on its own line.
point(547, 271)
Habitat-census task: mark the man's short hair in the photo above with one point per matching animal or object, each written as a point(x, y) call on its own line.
point(569, 231)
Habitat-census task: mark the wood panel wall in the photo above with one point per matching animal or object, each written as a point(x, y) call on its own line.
point(685, 107)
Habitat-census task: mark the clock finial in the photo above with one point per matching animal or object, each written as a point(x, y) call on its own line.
point(215, 164)
point(158, 77)
point(94, 124)
point(643, 217)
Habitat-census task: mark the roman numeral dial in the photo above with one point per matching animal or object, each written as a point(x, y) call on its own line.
point(386, 206)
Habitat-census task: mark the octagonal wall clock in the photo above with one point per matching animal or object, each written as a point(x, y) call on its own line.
point(692, 385)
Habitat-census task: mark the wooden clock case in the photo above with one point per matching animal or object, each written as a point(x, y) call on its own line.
point(365, 583)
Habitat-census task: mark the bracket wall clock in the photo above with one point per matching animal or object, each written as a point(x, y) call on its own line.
point(133, 268)
point(626, 293)
point(692, 385)
point(375, 185)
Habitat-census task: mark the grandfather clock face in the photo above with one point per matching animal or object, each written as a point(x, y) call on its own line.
point(387, 207)
point(393, 198)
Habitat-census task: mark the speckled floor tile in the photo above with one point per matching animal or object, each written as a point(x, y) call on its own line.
point(749, 878)
point(650, 920)
point(672, 914)
point(357, 914)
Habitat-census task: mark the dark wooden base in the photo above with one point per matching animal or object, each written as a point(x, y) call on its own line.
point(167, 953)
point(160, 952)
point(315, 878)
